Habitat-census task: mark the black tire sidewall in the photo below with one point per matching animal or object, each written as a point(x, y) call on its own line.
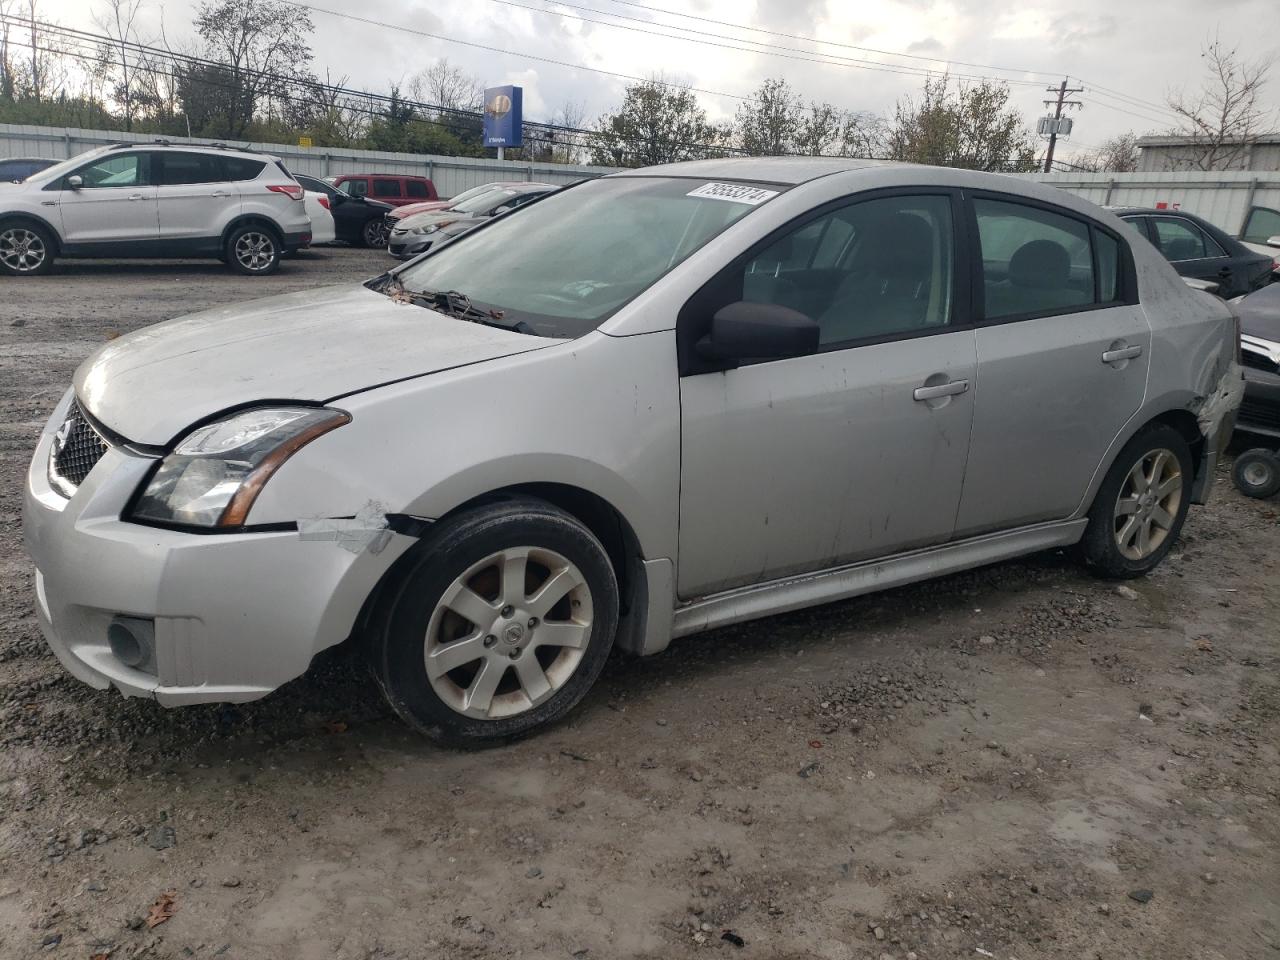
point(229, 250)
point(1098, 547)
point(1258, 491)
point(45, 237)
point(398, 637)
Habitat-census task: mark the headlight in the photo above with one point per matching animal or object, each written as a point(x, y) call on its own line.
point(213, 476)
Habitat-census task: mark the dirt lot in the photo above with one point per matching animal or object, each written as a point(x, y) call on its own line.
point(1015, 763)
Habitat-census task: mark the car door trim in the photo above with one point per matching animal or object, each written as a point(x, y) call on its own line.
point(838, 583)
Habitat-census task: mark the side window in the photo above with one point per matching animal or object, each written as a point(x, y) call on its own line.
point(872, 269)
point(386, 188)
point(1262, 225)
point(117, 170)
point(416, 188)
point(239, 168)
point(1180, 240)
point(1034, 261)
point(1138, 225)
point(180, 168)
point(355, 188)
point(1108, 251)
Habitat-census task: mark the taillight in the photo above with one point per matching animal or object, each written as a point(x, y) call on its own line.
point(324, 201)
point(291, 190)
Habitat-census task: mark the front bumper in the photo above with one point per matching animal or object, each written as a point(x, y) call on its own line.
point(1260, 411)
point(236, 615)
point(402, 248)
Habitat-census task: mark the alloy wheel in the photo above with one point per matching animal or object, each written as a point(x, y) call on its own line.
point(377, 232)
point(22, 250)
point(508, 633)
point(255, 251)
point(1148, 504)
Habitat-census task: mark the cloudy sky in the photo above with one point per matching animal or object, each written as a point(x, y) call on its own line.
point(1128, 54)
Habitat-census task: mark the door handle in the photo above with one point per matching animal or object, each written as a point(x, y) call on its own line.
point(135, 196)
point(1122, 353)
point(220, 193)
point(941, 390)
point(1224, 272)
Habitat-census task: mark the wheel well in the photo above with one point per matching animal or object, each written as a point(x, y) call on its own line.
point(254, 220)
point(593, 512)
point(1184, 421)
point(32, 220)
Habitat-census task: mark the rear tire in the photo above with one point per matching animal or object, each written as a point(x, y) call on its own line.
point(1256, 473)
point(499, 624)
point(1141, 506)
point(26, 249)
point(253, 250)
point(375, 232)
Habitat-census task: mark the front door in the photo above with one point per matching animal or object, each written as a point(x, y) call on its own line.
point(115, 202)
point(854, 452)
point(1063, 351)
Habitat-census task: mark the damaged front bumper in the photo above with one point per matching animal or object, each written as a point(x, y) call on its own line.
point(235, 615)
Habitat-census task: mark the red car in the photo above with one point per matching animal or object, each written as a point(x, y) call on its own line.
point(389, 188)
point(427, 207)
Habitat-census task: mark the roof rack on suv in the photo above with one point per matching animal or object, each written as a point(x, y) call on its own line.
point(126, 144)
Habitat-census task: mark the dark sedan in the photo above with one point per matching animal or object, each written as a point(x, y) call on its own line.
point(1197, 248)
point(358, 220)
point(17, 169)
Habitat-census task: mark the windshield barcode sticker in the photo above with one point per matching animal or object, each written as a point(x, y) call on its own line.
point(734, 192)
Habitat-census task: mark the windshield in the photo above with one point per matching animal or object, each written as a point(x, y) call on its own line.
point(484, 202)
point(472, 193)
point(566, 263)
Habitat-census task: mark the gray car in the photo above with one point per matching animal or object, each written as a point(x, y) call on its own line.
point(707, 392)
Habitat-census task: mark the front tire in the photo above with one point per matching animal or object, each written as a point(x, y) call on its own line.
point(375, 233)
point(1141, 506)
point(253, 250)
point(499, 624)
point(1256, 473)
point(26, 249)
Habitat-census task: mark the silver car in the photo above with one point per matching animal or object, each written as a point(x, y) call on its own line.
point(652, 404)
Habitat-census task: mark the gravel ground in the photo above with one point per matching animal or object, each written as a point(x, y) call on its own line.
point(1016, 762)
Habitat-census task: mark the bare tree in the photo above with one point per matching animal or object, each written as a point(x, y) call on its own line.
point(569, 147)
point(1223, 120)
point(864, 135)
point(117, 23)
point(1117, 155)
point(447, 86)
point(8, 62)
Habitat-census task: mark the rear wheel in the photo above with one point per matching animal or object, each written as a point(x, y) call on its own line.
point(1256, 473)
point(26, 249)
point(500, 624)
point(253, 250)
point(1141, 506)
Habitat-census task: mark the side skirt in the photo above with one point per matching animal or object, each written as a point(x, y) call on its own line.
point(839, 583)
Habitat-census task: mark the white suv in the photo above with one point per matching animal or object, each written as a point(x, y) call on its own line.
point(154, 200)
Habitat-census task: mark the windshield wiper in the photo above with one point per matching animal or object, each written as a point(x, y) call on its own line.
point(454, 303)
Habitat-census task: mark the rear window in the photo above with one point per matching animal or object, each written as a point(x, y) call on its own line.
point(386, 188)
point(416, 188)
point(1183, 240)
point(242, 168)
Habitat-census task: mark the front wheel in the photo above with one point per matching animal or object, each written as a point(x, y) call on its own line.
point(500, 624)
point(376, 232)
point(1141, 506)
point(26, 250)
point(253, 250)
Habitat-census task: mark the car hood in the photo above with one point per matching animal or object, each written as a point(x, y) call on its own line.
point(426, 219)
point(1260, 313)
point(426, 206)
point(315, 346)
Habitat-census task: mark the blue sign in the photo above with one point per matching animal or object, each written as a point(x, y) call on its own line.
point(503, 126)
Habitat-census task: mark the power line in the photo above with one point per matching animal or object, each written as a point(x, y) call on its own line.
point(834, 43)
point(772, 50)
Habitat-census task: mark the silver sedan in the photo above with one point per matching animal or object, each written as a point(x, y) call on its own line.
point(651, 404)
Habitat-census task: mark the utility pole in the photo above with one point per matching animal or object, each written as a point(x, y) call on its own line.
point(1061, 90)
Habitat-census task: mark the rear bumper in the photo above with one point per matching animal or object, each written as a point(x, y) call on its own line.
point(297, 240)
point(235, 615)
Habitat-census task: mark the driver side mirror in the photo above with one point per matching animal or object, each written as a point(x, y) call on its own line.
point(758, 331)
point(75, 182)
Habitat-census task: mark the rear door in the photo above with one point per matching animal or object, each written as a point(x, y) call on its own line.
point(116, 201)
point(1194, 253)
point(196, 194)
point(1063, 349)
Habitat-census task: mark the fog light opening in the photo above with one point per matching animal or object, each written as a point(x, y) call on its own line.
point(132, 642)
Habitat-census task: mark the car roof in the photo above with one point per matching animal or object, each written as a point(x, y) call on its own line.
point(393, 176)
point(782, 170)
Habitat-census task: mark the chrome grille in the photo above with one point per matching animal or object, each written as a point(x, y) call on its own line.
point(77, 447)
